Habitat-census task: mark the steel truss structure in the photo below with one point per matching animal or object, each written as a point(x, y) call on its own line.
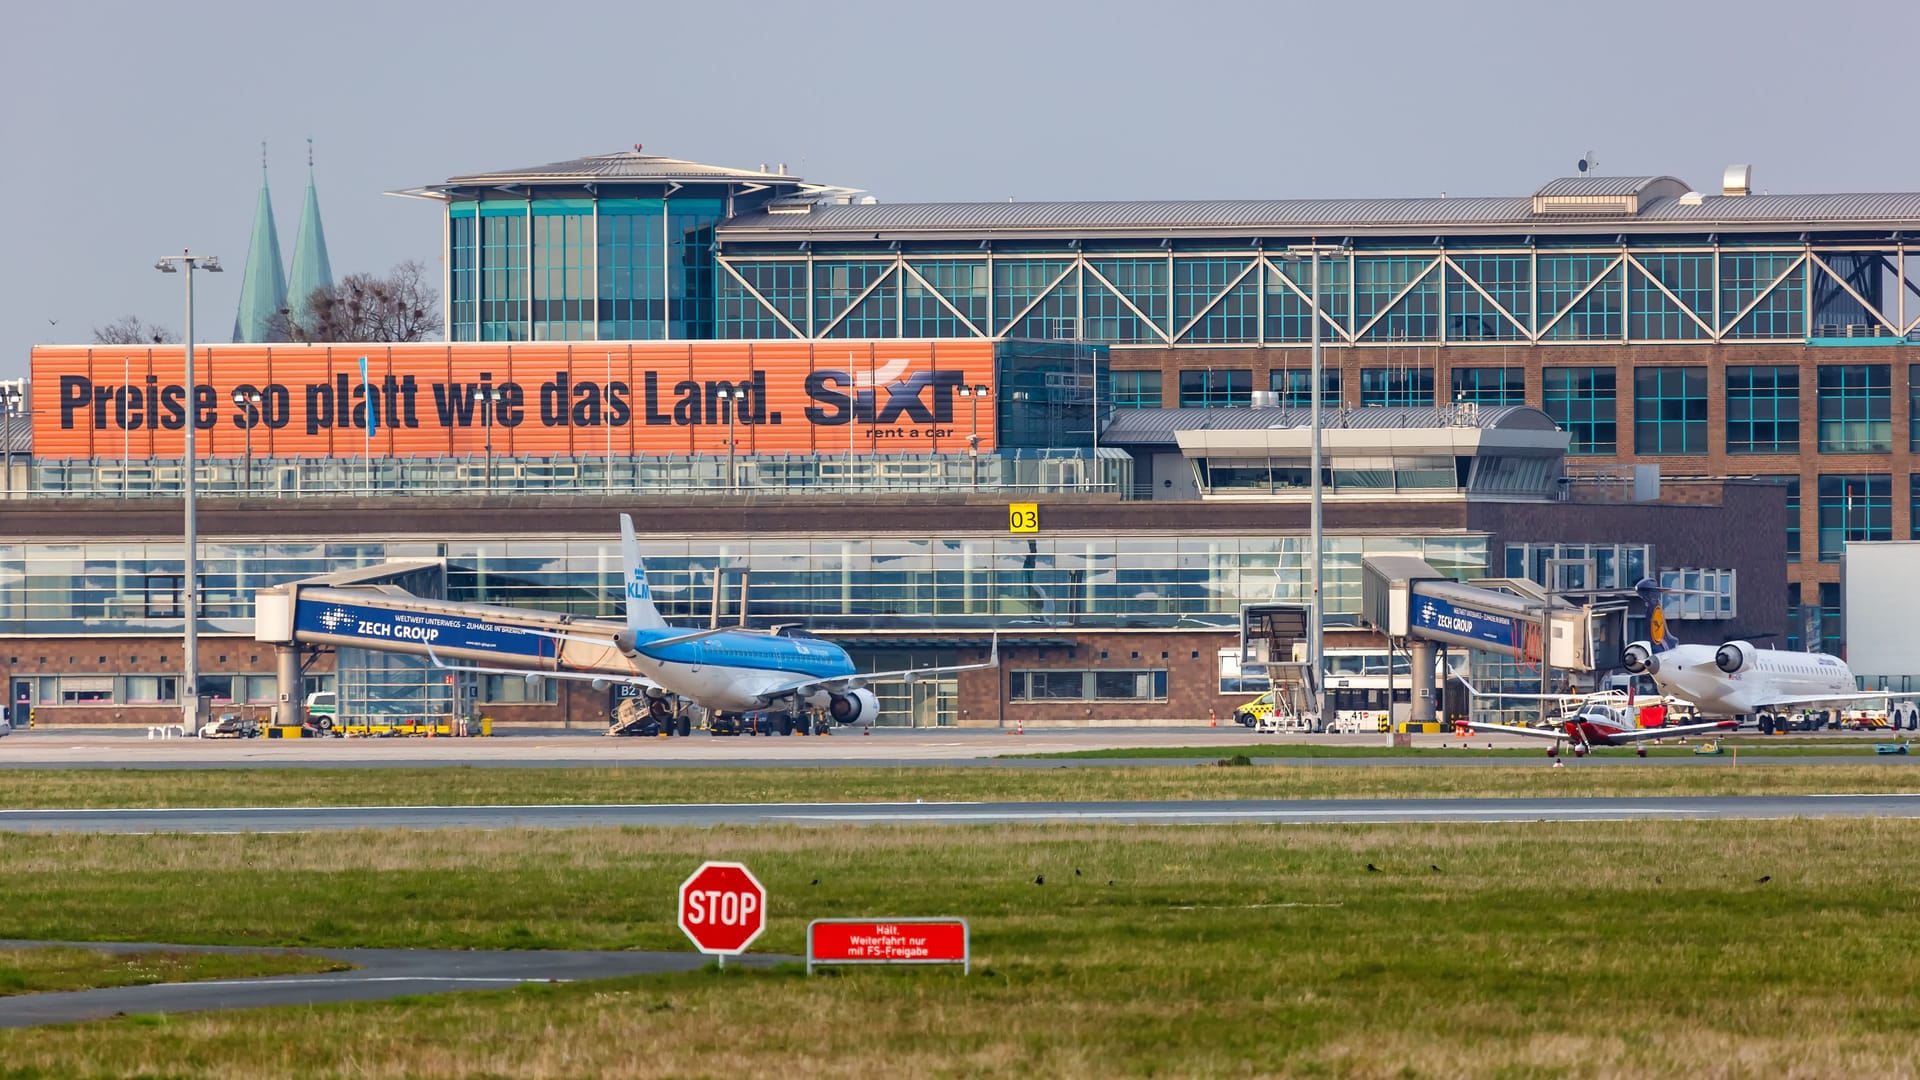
point(1433, 295)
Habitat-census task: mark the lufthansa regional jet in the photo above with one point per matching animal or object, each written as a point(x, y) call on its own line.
point(727, 671)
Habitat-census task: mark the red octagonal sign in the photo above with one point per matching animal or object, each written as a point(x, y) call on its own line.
point(723, 907)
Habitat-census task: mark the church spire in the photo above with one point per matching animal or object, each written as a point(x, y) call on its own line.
point(311, 269)
point(263, 287)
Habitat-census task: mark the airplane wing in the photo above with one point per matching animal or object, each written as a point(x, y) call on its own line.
point(581, 676)
point(843, 683)
point(1634, 735)
point(1831, 699)
point(1514, 729)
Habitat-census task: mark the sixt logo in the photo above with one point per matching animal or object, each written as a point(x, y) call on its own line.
point(335, 618)
point(852, 396)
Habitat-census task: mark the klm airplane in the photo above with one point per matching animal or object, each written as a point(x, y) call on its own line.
point(723, 672)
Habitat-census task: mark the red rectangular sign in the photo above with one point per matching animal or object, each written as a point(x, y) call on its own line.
point(887, 941)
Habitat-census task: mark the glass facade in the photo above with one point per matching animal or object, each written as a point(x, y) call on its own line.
point(1136, 390)
point(1581, 401)
point(879, 583)
point(1856, 403)
point(1216, 388)
point(1295, 387)
point(1396, 386)
point(1490, 385)
point(1855, 506)
point(1763, 410)
point(1670, 410)
point(617, 267)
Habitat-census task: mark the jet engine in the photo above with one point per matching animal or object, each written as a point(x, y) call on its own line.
point(1639, 659)
point(854, 706)
point(1735, 657)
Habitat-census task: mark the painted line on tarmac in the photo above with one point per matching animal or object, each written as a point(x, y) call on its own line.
point(349, 978)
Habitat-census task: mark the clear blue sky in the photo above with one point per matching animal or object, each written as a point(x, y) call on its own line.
point(134, 129)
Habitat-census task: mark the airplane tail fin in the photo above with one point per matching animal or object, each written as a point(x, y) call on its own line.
point(641, 614)
point(1650, 592)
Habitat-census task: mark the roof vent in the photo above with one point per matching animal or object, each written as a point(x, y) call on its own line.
point(868, 200)
point(1692, 198)
point(1737, 181)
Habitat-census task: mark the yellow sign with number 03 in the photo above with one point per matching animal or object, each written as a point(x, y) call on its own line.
point(1023, 517)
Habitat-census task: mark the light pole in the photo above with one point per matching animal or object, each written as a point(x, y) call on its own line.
point(190, 578)
point(249, 408)
point(733, 397)
point(489, 401)
point(9, 403)
point(974, 394)
point(1316, 627)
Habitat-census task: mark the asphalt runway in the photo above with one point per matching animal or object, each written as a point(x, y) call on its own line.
point(379, 974)
point(1179, 812)
point(849, 748)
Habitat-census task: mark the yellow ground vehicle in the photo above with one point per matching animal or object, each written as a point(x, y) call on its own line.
point(1250, 714)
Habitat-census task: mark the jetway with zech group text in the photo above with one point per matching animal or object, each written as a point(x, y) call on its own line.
point(365, 608)
point(1407, 600)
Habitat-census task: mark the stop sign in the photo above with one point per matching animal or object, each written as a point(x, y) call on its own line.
point(723, 907)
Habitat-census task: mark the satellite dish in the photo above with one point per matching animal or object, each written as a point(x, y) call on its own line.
point(1583, 164)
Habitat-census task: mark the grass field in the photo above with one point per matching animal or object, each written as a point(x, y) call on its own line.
point(1598, 950)
point(26, 971)
point(1756, 745)
point(66, 789)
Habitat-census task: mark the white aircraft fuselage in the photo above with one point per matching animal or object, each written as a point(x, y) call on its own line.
point(1738, 679)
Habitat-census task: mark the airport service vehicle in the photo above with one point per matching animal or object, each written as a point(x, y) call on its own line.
point(1596, 724)
point(6, 726)
point(230, 726)
point(1356, 686)
point(726, 673)
point(322, 708)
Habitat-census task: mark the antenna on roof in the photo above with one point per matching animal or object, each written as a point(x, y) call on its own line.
point(636, 148)
point(309, 151)
point(1589, 163)
point(263, 155)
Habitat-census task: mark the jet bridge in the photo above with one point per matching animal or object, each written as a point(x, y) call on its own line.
point(1408, 600)
point(367, 608)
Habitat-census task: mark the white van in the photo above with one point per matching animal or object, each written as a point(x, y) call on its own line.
point(321, 707)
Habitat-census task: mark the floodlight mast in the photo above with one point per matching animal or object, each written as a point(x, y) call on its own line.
point(190, 572)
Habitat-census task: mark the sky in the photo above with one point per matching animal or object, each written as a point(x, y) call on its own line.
point(133, 130)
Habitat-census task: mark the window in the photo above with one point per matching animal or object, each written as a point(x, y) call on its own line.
point(1832, 631)
point(1792, 484)
point(1145, 685)
point(1581, 400)
point(1396, 386)
point(153, 689)
point(219, 688)
point(1216, 388)
point(1234, 679)
point(85, 689)
point(514, 690)
point(1763, 410)
point(1795, 631)
point(1854, 507)
point(1856, 402)
point(1490, 385)
point(1136, 389)
point(1295, 387)
point(1699, 594)
point(1670, 410)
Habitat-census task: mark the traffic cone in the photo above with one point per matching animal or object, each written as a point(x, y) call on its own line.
point(868, 730)
point(1213, 718)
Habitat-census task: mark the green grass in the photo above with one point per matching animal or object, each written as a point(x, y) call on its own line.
point(1532, 776)
point(34, 970)
point(1580, 950)
point(1283, 751)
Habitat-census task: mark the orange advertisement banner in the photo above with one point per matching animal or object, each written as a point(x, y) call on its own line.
point(548, 399)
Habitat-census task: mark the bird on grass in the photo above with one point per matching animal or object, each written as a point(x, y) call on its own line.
point(1040, 879)
point(1435, 868)
point(1372, 869)
point(1656, 879)
point(815, 881)
point(1076, 871)
point(1109, 883)
point(1764, 878)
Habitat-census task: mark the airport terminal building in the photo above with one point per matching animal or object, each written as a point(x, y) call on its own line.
point(835, 399)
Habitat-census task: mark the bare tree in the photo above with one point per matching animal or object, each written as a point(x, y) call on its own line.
point(364, 307)
point(131, 330)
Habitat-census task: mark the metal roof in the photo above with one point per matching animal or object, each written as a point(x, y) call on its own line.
point(1585, 186)
point(1585, 204)
point(625, 165)
point(1160, 426)
point(19, 435)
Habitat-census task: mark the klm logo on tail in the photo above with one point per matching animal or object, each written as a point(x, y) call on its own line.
point(641, 614)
